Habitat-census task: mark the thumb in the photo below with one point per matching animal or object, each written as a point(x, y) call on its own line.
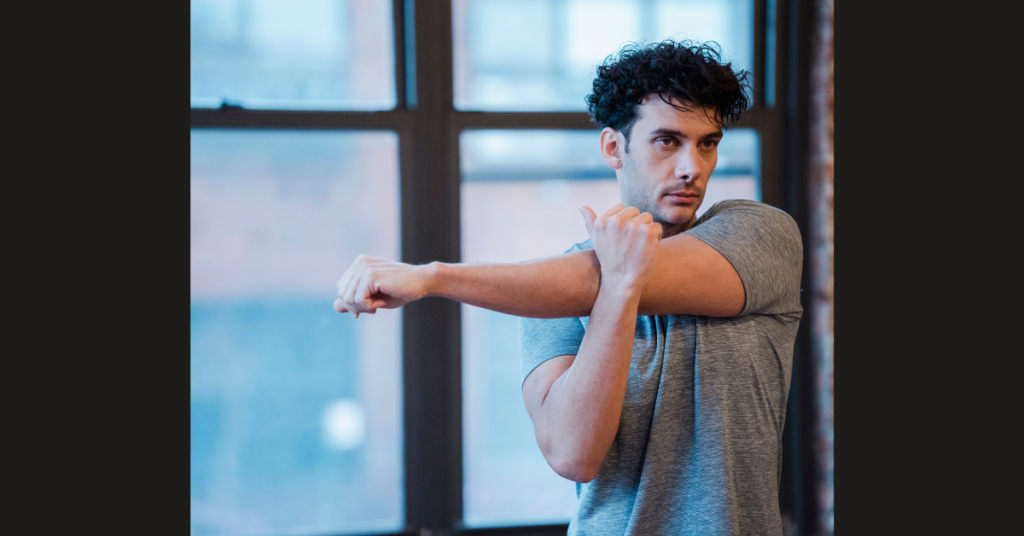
point(588, 219)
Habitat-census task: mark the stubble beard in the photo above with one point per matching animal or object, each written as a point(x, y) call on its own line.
point(635, 194)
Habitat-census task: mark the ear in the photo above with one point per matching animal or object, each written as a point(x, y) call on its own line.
point(612, 147)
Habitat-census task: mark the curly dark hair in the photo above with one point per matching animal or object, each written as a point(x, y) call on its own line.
point(689, 72)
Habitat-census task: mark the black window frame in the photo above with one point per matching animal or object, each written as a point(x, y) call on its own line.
point(428, 127)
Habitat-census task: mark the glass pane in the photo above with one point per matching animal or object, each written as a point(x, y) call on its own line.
point(541, 55)
point(315, 54)
point(296, 423)
point(520, 196)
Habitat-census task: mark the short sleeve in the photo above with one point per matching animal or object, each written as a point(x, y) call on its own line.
point(764, 245)
point(544, 338)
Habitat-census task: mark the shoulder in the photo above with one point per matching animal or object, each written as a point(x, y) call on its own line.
point(743, 217)
point(747, 209)
point(765, 247)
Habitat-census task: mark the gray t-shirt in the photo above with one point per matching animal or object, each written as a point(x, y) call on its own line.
point(699, 444)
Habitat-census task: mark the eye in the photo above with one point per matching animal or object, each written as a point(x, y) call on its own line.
point(708, 144)
point(665, 142)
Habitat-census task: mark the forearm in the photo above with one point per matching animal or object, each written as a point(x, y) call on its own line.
point(556, 287)
point(579, 417)
point(690, 278)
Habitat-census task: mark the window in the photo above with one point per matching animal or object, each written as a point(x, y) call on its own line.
point(324, 129)
point(295, 410)
point(310, 55)
point(540, 54)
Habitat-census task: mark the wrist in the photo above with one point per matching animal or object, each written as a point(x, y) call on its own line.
point(432, 274)
point(626, 287)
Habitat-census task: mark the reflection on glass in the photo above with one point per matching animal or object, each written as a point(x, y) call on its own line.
point(541, 55)
point(295, 409)
point(314, 54)
point(520, 195)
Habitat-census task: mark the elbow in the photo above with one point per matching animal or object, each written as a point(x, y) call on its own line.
point(573, 456)
point(583, 474)
point(576, 468)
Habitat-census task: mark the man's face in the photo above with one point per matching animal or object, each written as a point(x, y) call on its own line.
point(670, 159)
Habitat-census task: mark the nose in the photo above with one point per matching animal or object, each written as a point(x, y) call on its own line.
point(688, 163)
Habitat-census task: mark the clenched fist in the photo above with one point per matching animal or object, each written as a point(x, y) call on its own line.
point(371, 283)
point(625, 241)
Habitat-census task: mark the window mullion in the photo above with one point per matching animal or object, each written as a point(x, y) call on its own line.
point(430, 232)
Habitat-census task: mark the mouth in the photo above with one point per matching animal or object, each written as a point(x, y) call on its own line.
point(683, 198)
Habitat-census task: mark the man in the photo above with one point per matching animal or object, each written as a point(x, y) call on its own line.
point(657, 355)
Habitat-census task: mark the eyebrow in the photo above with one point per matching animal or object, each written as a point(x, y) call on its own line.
point(676, 133)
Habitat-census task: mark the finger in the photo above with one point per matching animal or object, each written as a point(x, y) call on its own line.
point(355, 293)
point(588, 219)
point(629, 212)
point(352, 287)
point(339, 306)
point(346, 287)
point(617, 208)
point(646, 217)
point(658, 228)
point(366, 287)
point(375, 303)
point(345, 278)
point(366, 293)
point(341, 283)
point(343, 287)
point(348, 292)
point(352, 271)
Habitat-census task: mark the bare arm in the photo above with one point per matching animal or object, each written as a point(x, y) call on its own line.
point(690, 277)
point(556, 287)
point(575, 402)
